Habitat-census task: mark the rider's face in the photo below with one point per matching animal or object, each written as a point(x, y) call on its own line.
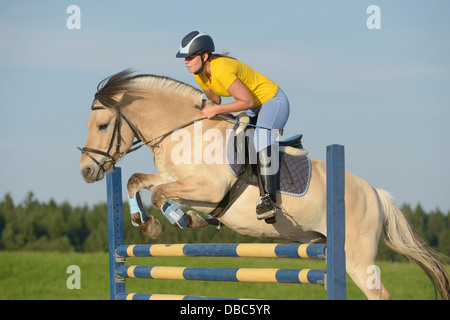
point(193, 63)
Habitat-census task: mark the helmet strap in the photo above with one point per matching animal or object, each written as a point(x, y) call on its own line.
point(203, 64)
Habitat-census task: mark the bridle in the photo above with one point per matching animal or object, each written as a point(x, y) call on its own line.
point(116, 135)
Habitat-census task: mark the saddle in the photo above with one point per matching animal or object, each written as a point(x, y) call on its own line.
point(295, 168)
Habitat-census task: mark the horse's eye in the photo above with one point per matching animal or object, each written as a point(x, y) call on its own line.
point(103, 126)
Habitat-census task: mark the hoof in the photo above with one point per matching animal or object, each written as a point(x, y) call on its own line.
point(195, 220)
point(151, 228)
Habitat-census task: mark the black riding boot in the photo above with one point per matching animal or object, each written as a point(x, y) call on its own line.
point(266, 208)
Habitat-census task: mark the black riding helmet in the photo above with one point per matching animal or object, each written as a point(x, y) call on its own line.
point(196, 42)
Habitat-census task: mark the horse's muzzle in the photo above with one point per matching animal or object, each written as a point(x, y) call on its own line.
point(94, 170)
point(91, 173)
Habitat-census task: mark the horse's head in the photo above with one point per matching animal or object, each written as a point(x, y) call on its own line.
point(108, 139)
point(111, 133)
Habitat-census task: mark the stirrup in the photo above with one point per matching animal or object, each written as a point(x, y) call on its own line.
point(265, 208)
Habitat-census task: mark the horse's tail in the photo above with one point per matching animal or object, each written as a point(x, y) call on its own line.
point(399, 235)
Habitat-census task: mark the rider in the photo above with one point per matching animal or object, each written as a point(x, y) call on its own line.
point(222, 76)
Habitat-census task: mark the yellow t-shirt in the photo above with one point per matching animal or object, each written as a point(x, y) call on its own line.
point(225, 70)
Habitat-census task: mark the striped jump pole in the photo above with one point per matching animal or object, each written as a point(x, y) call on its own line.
point(333, 277)
point(266, 275)
point(244, 250)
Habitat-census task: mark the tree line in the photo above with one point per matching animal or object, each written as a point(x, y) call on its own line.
point(48, 226)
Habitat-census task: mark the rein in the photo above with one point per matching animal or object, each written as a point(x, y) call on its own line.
point(278, 131)
point(117, 133)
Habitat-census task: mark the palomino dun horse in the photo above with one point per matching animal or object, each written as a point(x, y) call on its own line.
point(149, 108)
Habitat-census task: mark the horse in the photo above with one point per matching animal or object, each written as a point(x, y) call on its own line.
point(152, 109)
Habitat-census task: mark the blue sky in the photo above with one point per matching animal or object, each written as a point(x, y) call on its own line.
point(384, 94)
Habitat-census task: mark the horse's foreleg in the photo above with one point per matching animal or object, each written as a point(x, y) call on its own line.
point(138, 181)
point(192, 189)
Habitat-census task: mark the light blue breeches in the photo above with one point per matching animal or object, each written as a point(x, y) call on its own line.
point(272, 114)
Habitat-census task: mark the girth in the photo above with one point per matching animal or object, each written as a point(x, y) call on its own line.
point(234, 193)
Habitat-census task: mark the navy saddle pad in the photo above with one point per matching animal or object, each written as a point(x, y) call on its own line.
point(295, 171)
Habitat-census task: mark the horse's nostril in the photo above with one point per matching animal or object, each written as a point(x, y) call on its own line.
point(87, 171)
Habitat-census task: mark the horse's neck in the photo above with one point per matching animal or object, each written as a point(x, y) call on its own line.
point(158, 114)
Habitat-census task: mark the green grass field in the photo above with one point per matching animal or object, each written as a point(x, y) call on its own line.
point(43, 275)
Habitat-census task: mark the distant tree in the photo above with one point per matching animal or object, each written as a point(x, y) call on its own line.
point(436, 224)
point(418, 218)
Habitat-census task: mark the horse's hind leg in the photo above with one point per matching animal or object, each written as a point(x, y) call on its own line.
point(138, 181)
point(363, 226)
point(365, 274)
point(361, 247)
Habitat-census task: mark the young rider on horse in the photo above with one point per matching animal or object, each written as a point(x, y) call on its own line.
point(222, 76)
